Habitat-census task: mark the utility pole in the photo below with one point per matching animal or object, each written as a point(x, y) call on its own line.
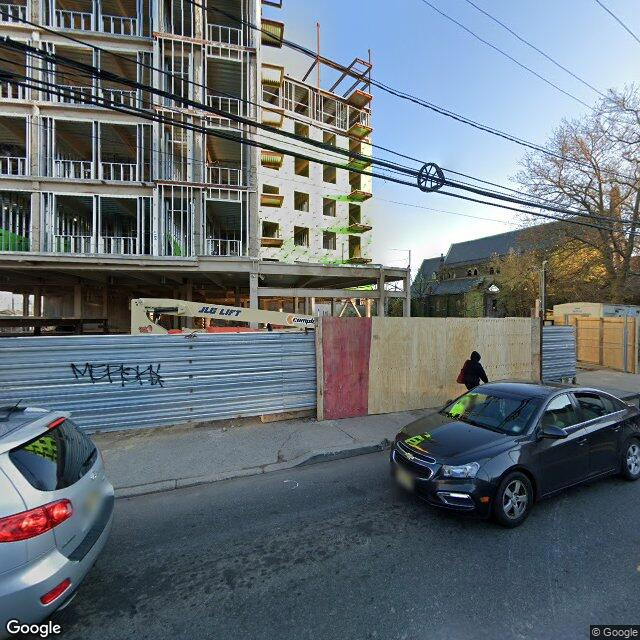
point(543, 306)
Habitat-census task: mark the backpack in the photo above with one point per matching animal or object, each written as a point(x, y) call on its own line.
point(460, 378)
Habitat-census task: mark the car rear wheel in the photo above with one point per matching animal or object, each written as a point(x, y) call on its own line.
point(631, 460)
point(514, 500)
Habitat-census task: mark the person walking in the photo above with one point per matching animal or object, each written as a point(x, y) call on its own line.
point(472, 372)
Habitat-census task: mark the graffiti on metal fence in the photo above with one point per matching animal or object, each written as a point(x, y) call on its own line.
point(119, 373)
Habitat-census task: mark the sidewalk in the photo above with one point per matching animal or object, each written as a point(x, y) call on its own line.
point(609, 380)
point(168, 458)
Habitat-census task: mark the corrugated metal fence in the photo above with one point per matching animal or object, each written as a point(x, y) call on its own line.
point(115, 382)
point(558, 353)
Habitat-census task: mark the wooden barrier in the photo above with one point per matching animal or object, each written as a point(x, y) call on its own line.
point(413, 363)
point(601, 341)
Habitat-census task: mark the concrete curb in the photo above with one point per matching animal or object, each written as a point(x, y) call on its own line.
point(313, 457)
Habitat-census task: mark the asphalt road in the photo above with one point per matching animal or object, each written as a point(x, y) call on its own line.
point(336, 551)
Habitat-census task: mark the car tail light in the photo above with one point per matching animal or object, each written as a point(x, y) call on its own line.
point(34, 522)
point(56, 423)
point(56, 592)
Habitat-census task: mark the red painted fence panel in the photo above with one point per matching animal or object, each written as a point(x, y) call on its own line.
point(346, 345)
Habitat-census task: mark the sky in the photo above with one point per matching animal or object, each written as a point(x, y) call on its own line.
point(416, 50)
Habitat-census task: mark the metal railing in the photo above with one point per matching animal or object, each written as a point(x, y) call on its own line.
point(12, 12)
point(222, 247)
point(223, 176)
point(229, 105)
point(126, 97)
point(11, 91)
point(78, 20)
point(119, 171)
point(118, 245)
point(120, 25)
point(224, 35)
point(71, 94)
point(71, 244)
point(13, 166)
point(73, 169)
point(322, 108)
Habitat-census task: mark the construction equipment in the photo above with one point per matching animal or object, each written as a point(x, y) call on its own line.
point(144, 313)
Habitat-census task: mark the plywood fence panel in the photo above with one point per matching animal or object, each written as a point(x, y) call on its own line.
point(414, 362)
point(601, 341)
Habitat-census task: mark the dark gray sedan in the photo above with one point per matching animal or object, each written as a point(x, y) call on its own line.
point(497, 449)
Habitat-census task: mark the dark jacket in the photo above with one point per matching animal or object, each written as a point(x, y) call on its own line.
point(474, 371)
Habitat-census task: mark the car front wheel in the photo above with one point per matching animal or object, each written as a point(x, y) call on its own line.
point(631, 460)
point(514, 500)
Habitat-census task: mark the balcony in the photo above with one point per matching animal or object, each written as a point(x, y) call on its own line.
point(222, 247)
point(232, 106)
point(120, 25)
point(272, 75)
point(271, 242)
point(271, 159)
point(224, 43)
point(118, 245)
point(15, 221)
point(73, 169)
point(13, 12)
point(74, 20)
point(119, 172)
point(74, 94)
point(13, 166)
point(71, 244)
point(272, 33)
point(224, 176)
point(125, 97)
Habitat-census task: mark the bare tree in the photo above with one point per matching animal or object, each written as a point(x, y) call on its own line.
point(595, 171)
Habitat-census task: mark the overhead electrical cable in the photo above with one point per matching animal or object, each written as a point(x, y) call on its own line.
point(308, 52)
point(622, 24)
point(506, 55)
point(37, 84)
point(533, 46)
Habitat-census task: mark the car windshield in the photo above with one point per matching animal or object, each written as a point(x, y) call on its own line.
point(506, 414)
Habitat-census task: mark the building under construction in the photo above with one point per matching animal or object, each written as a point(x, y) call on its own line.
point(101, 205)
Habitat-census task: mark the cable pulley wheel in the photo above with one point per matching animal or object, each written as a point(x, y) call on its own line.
point(430, 177)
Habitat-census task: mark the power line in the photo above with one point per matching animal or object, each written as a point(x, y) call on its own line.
point(403, 95)
point(533, 46)
point(158, 118)
point(622, 24)
point(505, 54)
point(417, 100)
point(94, 71)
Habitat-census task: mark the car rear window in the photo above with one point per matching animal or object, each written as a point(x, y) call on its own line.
point(56, 459)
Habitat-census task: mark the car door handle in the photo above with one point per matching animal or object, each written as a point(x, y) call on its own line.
point(582, 441)
point(617, 428)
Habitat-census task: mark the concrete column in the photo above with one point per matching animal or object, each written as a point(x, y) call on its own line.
point(188, 295)
point(313, 306)
point(77, 300)
point(36, 228)
point(37, 303)
point(333, 307)
point(253, 295)
point(407, 297)
point(296, 304)
point(382, 298)
point(25, 304)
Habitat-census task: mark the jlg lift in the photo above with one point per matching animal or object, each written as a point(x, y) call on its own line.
point(145, 311)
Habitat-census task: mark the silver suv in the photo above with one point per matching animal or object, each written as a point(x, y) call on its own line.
point(56, 509)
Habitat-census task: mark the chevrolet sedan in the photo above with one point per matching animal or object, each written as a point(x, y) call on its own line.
point(499, 448)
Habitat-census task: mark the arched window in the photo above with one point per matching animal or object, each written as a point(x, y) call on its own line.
point(475, 272)
point(468, 272)
point(491, 271)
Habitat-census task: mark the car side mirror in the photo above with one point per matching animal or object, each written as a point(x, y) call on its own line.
point(553, 432)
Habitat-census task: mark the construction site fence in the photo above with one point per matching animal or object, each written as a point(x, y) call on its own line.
point(607, 342)
point(127, 381)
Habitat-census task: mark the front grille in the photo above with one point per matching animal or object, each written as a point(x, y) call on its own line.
point(403, 448)
point(420, 470)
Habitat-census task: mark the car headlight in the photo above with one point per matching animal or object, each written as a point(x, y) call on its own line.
point(460, 471)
